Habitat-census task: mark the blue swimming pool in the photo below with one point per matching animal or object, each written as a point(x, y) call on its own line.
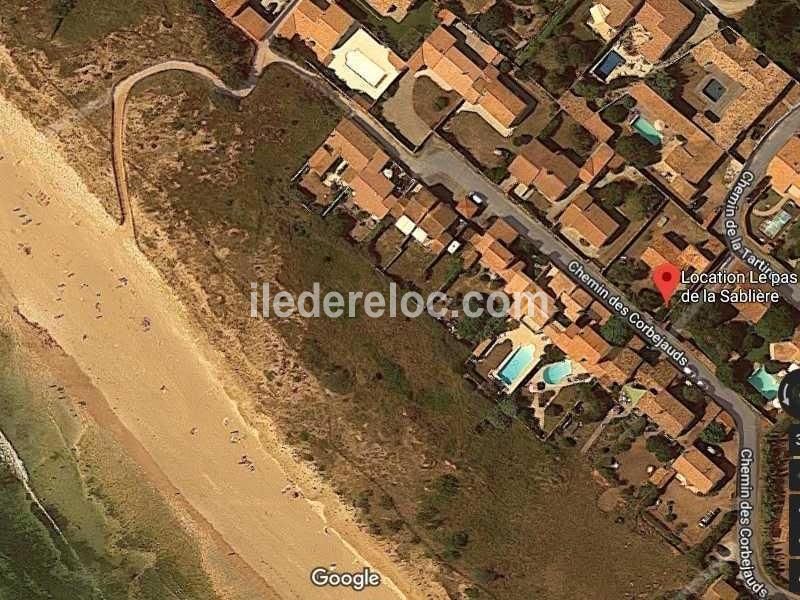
point(556, 373)
point(610, 62)
point(646, 129)
point(766, 383)
point(516, 364)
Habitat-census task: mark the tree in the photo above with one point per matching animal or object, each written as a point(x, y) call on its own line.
point(497, 174)
point(582, 140)
point(616, 331)
point(642, 202)
point(662, 448)
point(613, 194)
point(778, 323)
point(638, 151)
point(556, 81)
point(648, 299)
point(588, 88)
point(772, 26)
point(628, 271)
point(615, 113)
point(714, 433)
point(663, 83)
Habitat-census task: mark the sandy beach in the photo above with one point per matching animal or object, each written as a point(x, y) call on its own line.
point(76, 275)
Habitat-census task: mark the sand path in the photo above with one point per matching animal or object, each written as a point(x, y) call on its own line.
point(78, 275)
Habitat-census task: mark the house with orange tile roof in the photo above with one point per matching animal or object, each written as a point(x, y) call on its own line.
point(582, 344)
point(618, 367)
point(688, 153)
point(663, 21)
point(666, 411)
point(229, 7)
point(319, 24)
point(672, 249)
point(597, 162)
point(575, 299)
point(587, 223)
point(784, 169)
point(736, 86)
point(697, 472)
point(252, 23)
point(578, 108)
point(658, 377)
point(538, 167)
point(452, 63)
point(606, 17)
point(530, 303)
point(720, 590)
point(493, 247)
point(350, 159)
point(394, 9)
point(435, 226)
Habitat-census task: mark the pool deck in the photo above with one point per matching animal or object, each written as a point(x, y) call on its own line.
point(519, 337)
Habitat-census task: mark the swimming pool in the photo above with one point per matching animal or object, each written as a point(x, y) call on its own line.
point(556, 373)
point(610, 62)
point(765, 383)
point(516, 364)
point(646, 129)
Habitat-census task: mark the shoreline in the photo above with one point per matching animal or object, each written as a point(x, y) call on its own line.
point(38, 308)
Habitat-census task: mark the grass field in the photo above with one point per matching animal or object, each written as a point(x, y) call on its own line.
point(403, 438)
point(120, 539)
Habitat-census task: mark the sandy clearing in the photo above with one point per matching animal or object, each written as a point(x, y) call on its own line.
point(78, 276)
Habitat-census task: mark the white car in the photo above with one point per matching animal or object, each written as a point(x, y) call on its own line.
point(477, 198)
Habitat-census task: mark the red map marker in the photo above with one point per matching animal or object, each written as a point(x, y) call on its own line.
point(666, 277)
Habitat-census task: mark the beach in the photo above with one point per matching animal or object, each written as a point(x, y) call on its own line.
point(75, 274)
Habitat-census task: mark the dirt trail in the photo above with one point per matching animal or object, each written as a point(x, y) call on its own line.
point(78, 275)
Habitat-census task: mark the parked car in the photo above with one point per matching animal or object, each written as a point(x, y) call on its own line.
point(477, 197)
point(708, 518)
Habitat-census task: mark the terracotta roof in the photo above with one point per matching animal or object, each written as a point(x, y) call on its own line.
point(230, 7)
point(662, 250)
point(581, 344)
point(396, 9)
point(372, 190)
point(720, 590)
point(692, 157)
point(619, 11)
point(697, 471)
point(661, 477)
point(437, 221)
point(253, 23)
point(502, 230)
point(550, 173)
point(578, 109)
point(522, 288)
point(664, 20)
point(478, 84)
point(760, 85)
point(467, 208)
point(666, 411)
point(575, 300)
point(321, 29)
point(656, 377)
point(786, 352)
point(619, 366)
point(589, 220)
point(598, 161)
point(784, 169)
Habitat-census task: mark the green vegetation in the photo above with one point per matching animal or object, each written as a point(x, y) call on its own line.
point(638, 151)
point(663, 83)
point(616, 331)
point(773, 485)
point(406, 36)
point(497, 174)
point(772, 25)
point(628, 271)
point(714, 433)
point(615, 113)
point(778, 323)
point(662, 448)
point(637, 202)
